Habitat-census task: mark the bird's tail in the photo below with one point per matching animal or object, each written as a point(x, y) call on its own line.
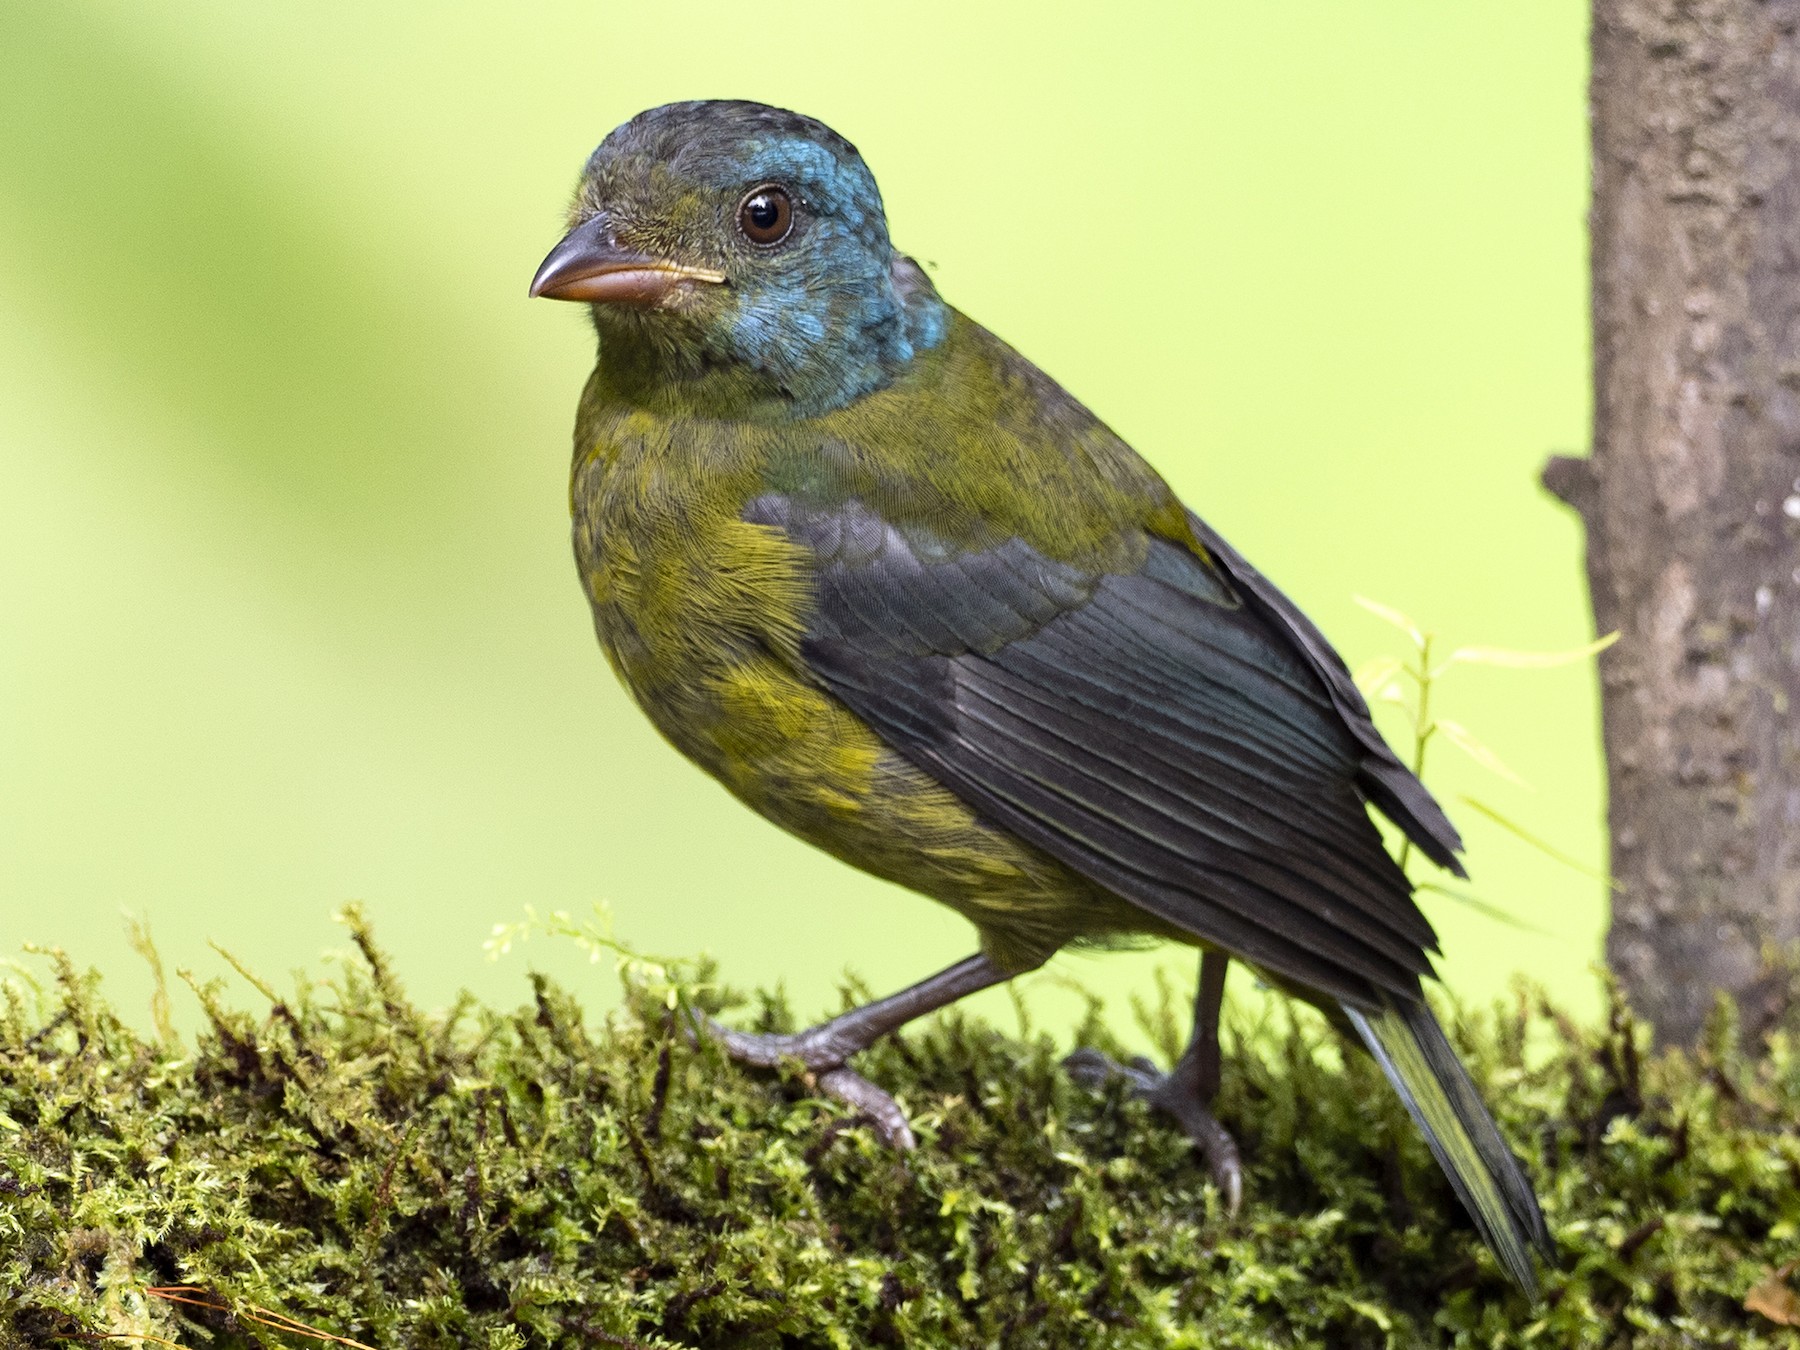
point(1411, 1048)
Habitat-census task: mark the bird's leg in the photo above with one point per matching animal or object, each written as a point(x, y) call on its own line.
point(1186, 1091)
point(824, 1048)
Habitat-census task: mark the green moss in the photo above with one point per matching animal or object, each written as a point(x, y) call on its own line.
point(537, 1177)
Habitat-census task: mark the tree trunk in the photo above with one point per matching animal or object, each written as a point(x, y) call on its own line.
point(1692, 496)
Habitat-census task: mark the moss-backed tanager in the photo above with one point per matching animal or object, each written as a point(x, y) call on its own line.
point(903, 595)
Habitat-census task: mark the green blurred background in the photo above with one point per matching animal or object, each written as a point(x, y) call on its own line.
point(289, 612)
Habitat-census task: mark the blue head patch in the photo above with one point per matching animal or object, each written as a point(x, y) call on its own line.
point(820, 316)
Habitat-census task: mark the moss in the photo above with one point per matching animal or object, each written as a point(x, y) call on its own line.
point(539, 1177)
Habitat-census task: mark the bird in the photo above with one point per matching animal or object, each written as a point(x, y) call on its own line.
point(902, 594)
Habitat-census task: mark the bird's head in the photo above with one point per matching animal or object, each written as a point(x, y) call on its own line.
point(736, 258)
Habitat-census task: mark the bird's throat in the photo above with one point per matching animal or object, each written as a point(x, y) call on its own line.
point(792, 358)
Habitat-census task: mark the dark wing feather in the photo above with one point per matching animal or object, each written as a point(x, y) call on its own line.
point(1153, 730)
point(1389, 783)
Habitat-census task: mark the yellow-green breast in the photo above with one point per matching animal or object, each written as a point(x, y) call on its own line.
point(701, 615)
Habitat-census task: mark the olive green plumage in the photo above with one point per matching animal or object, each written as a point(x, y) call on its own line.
point(903, 595)
point(702, 613)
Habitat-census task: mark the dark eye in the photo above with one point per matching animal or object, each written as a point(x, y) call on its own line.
point(766, 216)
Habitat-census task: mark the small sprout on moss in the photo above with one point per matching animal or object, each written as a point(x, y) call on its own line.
point(1409, 684)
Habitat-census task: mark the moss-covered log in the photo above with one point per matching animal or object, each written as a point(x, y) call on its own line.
point(539, 1177)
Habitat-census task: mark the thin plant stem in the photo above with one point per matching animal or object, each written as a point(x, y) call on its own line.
point(1422, 729)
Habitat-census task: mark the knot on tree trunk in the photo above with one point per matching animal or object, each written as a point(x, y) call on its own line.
point(1572, 481)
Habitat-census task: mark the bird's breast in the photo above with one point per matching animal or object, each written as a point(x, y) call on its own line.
point(699, 611)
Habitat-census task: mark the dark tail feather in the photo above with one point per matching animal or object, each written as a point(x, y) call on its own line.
point(1412, 1050)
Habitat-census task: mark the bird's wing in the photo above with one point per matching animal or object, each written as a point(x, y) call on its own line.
point(1160, 727)
point(1387, 782)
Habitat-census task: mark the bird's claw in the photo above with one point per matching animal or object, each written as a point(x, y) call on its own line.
point(823, 1059)
point(858, 1093)
point(1090, 1068)
point(1175, 1098)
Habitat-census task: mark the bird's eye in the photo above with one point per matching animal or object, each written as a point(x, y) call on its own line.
point(766, 215)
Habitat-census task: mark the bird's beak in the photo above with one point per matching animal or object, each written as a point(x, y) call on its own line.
point(589, 265)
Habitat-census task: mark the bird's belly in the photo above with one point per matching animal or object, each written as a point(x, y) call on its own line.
point(794, 753)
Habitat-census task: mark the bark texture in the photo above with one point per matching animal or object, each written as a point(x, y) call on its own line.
point(1692, 496)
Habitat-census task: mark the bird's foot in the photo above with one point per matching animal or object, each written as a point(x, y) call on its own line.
point(1178, 1095)
point(822, 1055)
point(822, 1050)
